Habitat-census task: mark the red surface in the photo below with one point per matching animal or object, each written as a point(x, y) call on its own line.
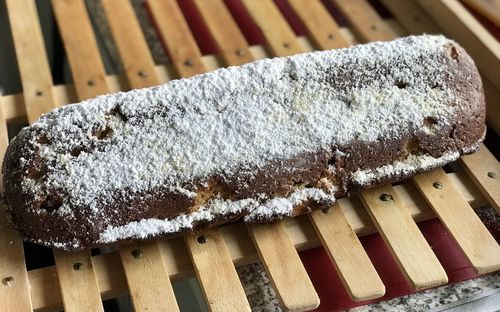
point(198, 27)
point(333, 295)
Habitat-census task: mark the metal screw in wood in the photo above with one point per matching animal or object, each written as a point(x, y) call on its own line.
point(77, 266)
point(202, 239)
point(326, 210)
point(286, 45)
point(188, 62)
point(91, 82)
point(142, 73)
point(38, 93)
point(386, 197)
point(331, 36)
point(8, 281)
point(437, 185)
point(492, 174)
point(136, 253)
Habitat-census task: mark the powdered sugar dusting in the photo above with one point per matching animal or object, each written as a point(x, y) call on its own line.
point(410, 165)
point(279, 207)
point(238, 119)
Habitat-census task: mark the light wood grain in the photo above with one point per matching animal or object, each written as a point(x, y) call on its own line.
point(31, 58)
point(279, 36)
point(147, 278)
point(413, 254)
point(320, 25)
point(461, 25)
point(77, 278)
point(488, 8)
point(365, 20)
point(78, 282)
point(14, 287)
point(460, 220)
point(132, 47)
point(272, 240)
point(412, 16)
point(484, 169)
point(112, 283)
point(286, 270)
point(351, 262)
point(339, 240)
point(233, 47)
point(177, 37)
point(81, 49)
point(211, 260)
point(218, 278)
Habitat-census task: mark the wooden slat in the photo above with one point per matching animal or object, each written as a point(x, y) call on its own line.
point(175, 33)
point(355, 269)
point(343, 247)
point(320, 25)
point(287, 272)
point(232, 45)
point(78, 281)
point(147, 278)
point(413, 254)
point(461, 25)
point(213, 264)
point(275, 244)
point(146, 274)
point(412, 16)
point(81, 48)
point(45, 291)
point(14, 287)
point(214, 268)
point(484, 169)
point(31, 58)
point(461, 221)
point(365, 20)
point(488, 8)
point(442, 203)
point(132, 47)
point(280, 37)
point(77, 278)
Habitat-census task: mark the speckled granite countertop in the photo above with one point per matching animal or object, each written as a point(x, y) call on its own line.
point(262, 297)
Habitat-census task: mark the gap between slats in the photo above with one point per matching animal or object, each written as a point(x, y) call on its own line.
point(352, 10)
point(271, 18)
point(276, 251)
point(146, 273)
point(213, 265)
point(77, 277)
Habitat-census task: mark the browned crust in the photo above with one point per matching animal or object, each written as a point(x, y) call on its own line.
point(280, 178)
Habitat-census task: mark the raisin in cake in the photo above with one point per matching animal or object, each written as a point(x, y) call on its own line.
point(271, 139)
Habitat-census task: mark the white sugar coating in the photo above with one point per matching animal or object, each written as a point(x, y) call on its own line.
point(408, 166)
point(280, 207)
point(283, 206)
point(237, 120)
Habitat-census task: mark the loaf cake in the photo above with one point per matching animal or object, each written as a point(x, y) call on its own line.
point(271, 139)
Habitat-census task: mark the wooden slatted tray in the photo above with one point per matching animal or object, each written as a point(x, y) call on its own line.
point(79, 281)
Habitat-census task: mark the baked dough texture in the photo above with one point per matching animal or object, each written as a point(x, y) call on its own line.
point(271, 139)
